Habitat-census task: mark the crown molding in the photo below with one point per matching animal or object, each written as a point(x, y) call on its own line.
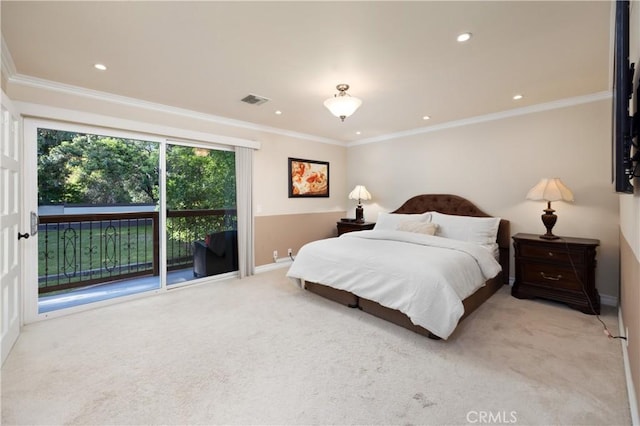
point(8, 66)
point(39, 83)
point(46, 112)
point(562, 103)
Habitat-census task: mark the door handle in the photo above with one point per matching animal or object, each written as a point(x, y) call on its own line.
point(25, 235)
point(34, 223)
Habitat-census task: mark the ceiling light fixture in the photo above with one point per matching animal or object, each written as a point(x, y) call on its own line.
point(100, 67)
point(278, 112)
point(463, 37)
point(426, 117)
point(517, 97)
point(342, 105)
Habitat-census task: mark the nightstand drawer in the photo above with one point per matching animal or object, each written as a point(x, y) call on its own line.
point(552, 276)
point(554, 254)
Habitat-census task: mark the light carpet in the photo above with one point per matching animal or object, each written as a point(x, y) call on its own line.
point(262, 351)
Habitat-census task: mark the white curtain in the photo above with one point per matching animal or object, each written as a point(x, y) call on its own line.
point(244, 203)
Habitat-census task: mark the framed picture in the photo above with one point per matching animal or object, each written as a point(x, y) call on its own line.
point(308, 178)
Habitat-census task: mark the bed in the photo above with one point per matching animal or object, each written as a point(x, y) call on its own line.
point(407, 289)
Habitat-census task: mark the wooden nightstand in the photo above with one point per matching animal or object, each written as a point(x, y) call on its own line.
point(562, 270)
point(344, 227)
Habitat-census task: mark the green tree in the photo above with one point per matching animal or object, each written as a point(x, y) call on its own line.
point(114, 171)
point(82, 168)
point(200, 178)
point(93, 169)
point(52, 170)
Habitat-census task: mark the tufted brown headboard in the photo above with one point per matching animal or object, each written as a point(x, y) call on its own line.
point(455, 205)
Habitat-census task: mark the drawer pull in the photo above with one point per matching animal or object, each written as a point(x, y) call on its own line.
point(550, 254)
point(546, 277)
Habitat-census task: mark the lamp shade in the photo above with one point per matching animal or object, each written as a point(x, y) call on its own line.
point(359, 193)
point(342, 106)
point(550, 190)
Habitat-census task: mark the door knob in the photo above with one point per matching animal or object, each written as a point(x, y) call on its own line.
point(25, 235)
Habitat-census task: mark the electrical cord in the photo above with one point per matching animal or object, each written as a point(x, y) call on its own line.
point(584, 291)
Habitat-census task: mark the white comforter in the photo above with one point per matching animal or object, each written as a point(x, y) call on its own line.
point(425, 277)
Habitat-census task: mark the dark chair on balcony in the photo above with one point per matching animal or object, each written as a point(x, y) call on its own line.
point(216, 255)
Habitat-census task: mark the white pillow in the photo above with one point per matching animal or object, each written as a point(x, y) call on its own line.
point(482, 230)
point(418, 226)
point(390, 221)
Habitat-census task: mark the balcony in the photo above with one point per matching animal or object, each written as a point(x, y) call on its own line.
point(84, 251)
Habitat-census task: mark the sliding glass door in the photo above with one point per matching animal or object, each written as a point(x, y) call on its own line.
point(111, 224)
point(98, 199)
point(201, 221)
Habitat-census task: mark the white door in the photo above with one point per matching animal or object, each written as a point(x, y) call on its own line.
point(10, 223)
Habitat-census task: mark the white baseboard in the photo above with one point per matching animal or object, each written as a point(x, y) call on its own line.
point(280, 263)
point(607, 300)
point(631, 391)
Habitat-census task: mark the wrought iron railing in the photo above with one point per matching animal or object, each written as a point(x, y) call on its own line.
point(84, 249)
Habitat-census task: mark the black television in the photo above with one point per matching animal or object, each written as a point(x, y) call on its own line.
point(623, 124)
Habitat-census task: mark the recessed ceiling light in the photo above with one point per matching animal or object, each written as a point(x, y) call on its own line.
point(517, 97)
point(100, 67)
point(464, 37)
point(426, 117)
point(358, 132)
point(278, 112)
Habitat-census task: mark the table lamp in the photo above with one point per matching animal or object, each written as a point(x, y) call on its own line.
point(359, 193)
point(549, 190)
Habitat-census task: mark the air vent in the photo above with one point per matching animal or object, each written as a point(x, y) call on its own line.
point(254, 99)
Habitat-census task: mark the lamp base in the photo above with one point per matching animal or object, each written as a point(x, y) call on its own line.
point(359, 214)
point(549, 219)
point(549, 237)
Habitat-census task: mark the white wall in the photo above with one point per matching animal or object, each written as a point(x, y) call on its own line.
point(495, 163)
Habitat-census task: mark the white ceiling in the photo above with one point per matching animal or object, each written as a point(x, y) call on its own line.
point(400, 58)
